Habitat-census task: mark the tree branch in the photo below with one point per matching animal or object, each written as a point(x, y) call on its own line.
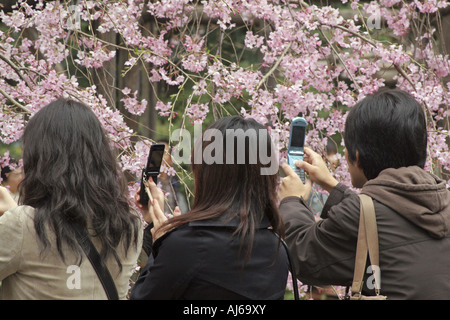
point(17, 69)
point(14, 101)
point(275, 66)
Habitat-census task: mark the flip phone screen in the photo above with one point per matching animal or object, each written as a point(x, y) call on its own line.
point(155, 160)
point(296, 145)
point(298, 136)
point(152, 170)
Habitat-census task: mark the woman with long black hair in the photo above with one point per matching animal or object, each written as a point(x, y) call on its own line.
point(72, 188)
point(225, 247)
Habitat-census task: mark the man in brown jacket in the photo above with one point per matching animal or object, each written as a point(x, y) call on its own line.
point(385, 139)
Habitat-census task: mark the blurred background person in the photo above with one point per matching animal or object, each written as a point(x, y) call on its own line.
point(318, 196)
point(170, 183)
point(11, 177)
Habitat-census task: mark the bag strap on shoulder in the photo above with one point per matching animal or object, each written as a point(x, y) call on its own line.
point(367, 243)
point(99, 267)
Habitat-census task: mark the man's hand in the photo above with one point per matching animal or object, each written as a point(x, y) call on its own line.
point(317, 170)
point(292, 185)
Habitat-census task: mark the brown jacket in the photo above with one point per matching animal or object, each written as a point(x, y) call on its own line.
point(26, 274)
point(413, 217)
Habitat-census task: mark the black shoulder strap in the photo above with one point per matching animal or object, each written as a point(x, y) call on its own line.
point(99, 267)
point(293, 273)
point(291, 268)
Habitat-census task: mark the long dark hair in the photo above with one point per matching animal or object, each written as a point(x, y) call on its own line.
point(236, 189)
point(72, 178)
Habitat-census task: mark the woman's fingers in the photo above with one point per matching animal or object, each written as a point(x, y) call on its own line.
point(154, 211)
point(158, 218)
point(176, 211)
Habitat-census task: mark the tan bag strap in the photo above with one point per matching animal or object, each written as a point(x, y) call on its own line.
point(367, 243)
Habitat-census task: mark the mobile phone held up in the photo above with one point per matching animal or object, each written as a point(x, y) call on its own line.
point(296, 145)
point(152, 169)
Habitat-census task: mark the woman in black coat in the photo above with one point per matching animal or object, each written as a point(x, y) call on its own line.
point(226, 247)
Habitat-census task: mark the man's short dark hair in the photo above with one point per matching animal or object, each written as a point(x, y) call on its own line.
point(388, 129)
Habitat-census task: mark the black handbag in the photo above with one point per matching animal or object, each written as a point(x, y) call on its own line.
point(99, 267)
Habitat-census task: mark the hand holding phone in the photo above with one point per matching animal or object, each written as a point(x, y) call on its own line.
point(318, 170)
point(296, 145)
point(152, 169)
point(151, 211)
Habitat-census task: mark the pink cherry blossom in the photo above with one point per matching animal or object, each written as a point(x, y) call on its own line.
point(163, 108)
point(132, 104)
point(197, 112)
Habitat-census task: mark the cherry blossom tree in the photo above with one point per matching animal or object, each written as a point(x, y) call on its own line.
point(271, 60)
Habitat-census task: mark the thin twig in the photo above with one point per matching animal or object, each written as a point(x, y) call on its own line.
point(275, 66)
point(14, 101)
point(16, 69)
point(342, 61)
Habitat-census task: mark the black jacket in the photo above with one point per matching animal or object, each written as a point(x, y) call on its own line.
point(203, 260)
